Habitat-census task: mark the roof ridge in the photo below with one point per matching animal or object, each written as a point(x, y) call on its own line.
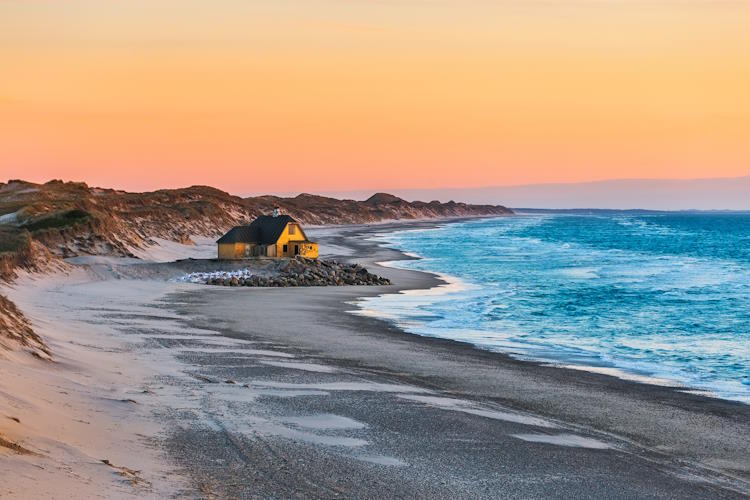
point(264, 230)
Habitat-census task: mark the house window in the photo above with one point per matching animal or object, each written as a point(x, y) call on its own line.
point(292, 229)
point(286, 248)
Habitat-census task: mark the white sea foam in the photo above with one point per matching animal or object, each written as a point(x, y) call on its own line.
point(580, 272)
point(624, 375)
point(645, 299)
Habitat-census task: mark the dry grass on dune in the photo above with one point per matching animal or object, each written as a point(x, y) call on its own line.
point(15, 331)
point(14, 447)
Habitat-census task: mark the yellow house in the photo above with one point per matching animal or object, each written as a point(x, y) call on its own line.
point(268, 236)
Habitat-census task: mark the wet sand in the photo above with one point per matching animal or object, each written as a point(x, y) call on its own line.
point(435, 418)
point(245, 393)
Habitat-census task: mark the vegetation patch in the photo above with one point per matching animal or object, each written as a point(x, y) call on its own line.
point(15, 329)
point(5, 443)
point(13, 239)
point(58, 220)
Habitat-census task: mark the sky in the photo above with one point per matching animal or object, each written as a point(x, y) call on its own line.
point(257, 96)
point(729, 193)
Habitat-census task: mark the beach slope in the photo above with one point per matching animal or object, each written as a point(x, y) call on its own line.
point(256, 392)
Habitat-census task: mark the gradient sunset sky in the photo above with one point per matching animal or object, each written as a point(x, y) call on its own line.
point(325, 95)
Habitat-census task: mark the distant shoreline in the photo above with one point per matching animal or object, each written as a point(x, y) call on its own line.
point(624, 211)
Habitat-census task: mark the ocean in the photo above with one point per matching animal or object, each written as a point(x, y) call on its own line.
point(663, 298)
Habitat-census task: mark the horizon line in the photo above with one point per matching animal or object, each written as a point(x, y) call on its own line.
point(390, 189)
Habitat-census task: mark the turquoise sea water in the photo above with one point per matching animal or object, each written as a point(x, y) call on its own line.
point(661, 296)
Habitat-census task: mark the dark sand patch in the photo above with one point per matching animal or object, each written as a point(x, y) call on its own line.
point(14, 447)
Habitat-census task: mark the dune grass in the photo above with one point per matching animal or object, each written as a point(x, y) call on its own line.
point(13, 239)
point(57, 220)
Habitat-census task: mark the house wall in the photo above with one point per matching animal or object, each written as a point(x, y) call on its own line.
point(235, 250)
point(299, 235)
point(298, 238)
point(226, 250)
point(307, 249)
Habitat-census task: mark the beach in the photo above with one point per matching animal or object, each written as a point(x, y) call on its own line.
point(201, 391)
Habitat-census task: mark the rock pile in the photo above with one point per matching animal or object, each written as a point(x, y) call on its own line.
point(305, 272)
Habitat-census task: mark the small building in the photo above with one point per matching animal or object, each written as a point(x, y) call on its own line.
point(268, 236)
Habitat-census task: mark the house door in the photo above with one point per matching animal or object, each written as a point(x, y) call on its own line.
point(296, 249)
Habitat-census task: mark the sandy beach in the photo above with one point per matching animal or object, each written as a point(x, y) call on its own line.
point(200, 391)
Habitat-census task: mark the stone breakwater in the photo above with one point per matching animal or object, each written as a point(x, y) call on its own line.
point(297, 272)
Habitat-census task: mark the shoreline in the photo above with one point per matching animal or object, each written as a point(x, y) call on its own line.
point(437, 281)
point(602, 394)
point(609, 370)
point(283, 391)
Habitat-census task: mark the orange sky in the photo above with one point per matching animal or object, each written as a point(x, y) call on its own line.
point(325, 95)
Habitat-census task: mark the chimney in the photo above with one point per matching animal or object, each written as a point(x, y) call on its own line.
point(276, 212)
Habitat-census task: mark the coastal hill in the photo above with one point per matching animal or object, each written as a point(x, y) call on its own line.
point(320, 210)
point(72, 219)
point(40, 224)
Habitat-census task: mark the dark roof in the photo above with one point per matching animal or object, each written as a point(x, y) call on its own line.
point(265, 230)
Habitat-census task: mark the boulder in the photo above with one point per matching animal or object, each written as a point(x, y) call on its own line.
point(300, 271)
